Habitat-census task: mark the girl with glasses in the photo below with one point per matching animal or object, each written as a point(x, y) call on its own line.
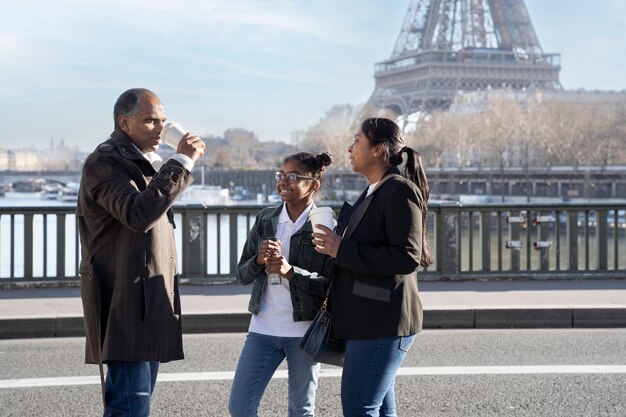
point(280, 242)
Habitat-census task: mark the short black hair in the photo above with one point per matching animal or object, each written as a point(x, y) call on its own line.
point(128, 103)
point(314, 164)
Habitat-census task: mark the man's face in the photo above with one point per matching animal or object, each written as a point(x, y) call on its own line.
point(144, 127)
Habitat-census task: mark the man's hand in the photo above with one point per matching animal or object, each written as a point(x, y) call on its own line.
point(192, 146)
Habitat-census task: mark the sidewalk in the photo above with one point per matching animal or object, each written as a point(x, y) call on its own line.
point(57, 312)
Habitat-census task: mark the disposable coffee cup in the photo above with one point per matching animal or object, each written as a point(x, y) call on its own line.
point(323, 216)
point(172, 133)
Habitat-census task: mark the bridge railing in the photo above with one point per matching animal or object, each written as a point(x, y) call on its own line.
point(477, 241)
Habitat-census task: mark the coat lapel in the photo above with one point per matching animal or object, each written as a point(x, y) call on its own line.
point(361, 209)
point(346, 212)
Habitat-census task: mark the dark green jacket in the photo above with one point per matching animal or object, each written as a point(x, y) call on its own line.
point(310, 280)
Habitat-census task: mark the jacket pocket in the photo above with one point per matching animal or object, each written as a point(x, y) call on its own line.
point(372, 292)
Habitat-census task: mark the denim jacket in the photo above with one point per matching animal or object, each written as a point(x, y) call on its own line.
point(311, 269)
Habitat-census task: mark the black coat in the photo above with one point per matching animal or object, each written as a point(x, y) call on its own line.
point(374, 290)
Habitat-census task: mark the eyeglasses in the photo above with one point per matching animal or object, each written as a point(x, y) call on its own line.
point(291, 177)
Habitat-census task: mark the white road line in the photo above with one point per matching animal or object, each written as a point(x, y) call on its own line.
point(334, 372)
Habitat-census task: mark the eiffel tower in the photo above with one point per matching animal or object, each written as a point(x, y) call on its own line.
point(446, 46)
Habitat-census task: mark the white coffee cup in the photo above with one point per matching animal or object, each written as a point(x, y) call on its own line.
point(172, 133)
point(323, 216)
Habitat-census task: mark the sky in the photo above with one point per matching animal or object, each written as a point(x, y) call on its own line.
point(269, 66)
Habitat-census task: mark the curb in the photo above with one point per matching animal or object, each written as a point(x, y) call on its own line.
point(526, 318)
point(520, 318)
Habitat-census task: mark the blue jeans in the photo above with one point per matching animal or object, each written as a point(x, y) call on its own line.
point(369, 375)
point(129, 387)
point(260, 356)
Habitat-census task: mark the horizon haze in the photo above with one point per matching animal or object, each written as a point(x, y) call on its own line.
point(270, 66)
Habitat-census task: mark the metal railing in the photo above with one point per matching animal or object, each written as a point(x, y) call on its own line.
point(477, 241)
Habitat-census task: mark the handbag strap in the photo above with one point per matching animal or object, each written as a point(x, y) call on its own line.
point(324, 306)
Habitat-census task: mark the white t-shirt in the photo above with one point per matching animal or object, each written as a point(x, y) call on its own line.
point(370, 188)
point(276, 315)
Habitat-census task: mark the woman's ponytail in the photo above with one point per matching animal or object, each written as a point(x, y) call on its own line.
point(387, 133)
point(414, 171)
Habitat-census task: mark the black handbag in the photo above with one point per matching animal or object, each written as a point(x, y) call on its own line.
point(319, 341)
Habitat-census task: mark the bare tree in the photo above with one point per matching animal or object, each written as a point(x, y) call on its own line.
point(498, 133)
point(606, 135)
point(333, 134)
point(524, 133)
point(430, 138)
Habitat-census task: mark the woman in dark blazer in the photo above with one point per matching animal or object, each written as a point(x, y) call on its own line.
point(378, 246)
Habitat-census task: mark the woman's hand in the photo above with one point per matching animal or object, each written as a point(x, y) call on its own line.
point(267, 249)
point(327, 242)
point(279, 265)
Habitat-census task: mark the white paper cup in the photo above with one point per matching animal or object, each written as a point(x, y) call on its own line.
point(323, 216)
point(172, 133)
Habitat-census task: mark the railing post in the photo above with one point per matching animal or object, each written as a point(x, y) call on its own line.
point(572, 240)
point(28, 245)
point(44, 224)
point(12, 250)
point(514, 235)
point(543, 235)
point(232, 240)
point(448, 242)
point(602, 237)
point(193, 244)
point(61, 245)
point(485, 239)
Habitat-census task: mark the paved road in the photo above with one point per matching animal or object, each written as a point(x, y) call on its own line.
point(567, 372)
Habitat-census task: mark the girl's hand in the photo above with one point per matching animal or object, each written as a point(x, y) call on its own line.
point(279, 265)
point(267, 249)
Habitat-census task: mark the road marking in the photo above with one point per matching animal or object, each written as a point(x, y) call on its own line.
point(334, 372)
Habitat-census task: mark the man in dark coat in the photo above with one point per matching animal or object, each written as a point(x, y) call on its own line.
point(128, 269)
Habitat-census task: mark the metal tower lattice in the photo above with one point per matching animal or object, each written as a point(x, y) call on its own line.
point(446, 46)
